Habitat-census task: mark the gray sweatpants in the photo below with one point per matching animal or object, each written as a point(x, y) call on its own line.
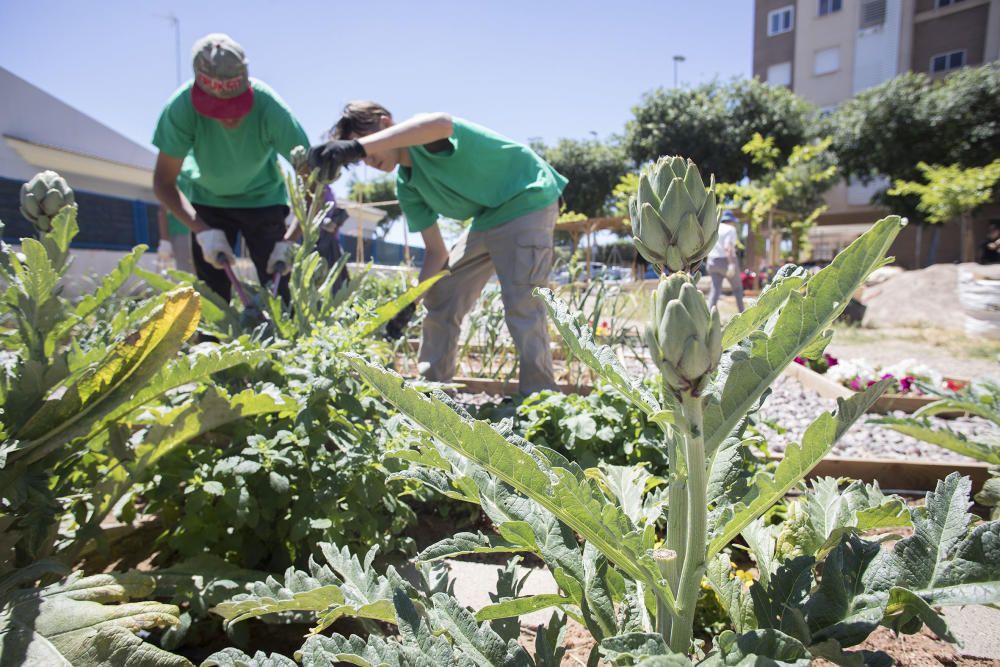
point(520, 252)
point(181, 243)
point(718, 269)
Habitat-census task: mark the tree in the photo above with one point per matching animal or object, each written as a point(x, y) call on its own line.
point(950, 193)
point(593, 168)
point(793, 186)
point(710, 124)
point(887, 130)
point(378, 190)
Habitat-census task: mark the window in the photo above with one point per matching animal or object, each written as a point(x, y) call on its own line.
point(780, 74)
point(944, 62)
point(872, 14)
point(945, 3)
point(827, 61)
point(780, 21)
point(829, 6)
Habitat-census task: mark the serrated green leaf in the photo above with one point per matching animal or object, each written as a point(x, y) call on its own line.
point(798, 460)
point(77, 404)
point(520, 606)
point(630, 648)
point(565, 493)
point(477, 642)
point(788, 279)
point(758, 647)
point(733, 596)
point(601, 359)
point(749, 370)
point(943, 437)
point(462, 544)
point(233, 657)
point(368, 325)
point(85, 621)
point(344, 587)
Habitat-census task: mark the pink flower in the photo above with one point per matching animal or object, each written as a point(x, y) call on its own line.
point(856, 384)
point(800, 361)
point(830, 359)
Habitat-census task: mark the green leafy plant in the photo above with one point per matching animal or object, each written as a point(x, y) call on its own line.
point(601, 427)
point(980, 398)
point(84, 620)
point(706, 395)
point(75, 395)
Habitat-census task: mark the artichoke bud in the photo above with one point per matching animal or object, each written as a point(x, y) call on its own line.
point(680, 225)
point(685, 337)
point(43, 197)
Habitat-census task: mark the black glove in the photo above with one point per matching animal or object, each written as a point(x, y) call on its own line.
point(396, 327)
point(333, 155)
point(334, 220)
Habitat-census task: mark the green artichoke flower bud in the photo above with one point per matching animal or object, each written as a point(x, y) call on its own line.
point(675, 222)
point(43, 197)
point(684, 338)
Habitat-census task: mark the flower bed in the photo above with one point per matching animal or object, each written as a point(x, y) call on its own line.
point(834, 378)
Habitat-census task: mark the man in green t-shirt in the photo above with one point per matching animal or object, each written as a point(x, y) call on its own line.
point(233, 127)
point(457, 169)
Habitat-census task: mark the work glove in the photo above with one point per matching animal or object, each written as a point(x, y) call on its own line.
point(396, 327)
point(213, 243)
point(281, 258)
point(334, 219)
point(333, 155)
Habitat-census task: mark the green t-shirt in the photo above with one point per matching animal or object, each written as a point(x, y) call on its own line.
point(483, 176)
point(232, 168)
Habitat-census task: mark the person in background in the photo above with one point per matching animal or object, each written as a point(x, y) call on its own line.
point(723, 262)
point(454, 168)
point(989, 250)
point(233, 127)
point(175, 239)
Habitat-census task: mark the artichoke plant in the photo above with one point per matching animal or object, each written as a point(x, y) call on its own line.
point(675, 222)
point(684, 338)
point(43, 197)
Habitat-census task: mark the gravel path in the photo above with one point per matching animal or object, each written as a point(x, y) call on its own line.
point(794, 408)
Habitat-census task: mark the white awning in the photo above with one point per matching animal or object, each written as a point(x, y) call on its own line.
point(70, 162)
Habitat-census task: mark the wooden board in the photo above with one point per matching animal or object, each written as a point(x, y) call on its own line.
point(500, 388)
point(900, 473)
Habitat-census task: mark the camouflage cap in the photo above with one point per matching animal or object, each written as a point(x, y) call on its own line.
point(221, 83)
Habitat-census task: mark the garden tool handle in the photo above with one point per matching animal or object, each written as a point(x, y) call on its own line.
point(227, 267)
point(279, 270)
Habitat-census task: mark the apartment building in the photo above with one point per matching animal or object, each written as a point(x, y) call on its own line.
point(829, 50)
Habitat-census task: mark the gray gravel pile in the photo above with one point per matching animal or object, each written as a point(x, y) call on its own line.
point(794, 408)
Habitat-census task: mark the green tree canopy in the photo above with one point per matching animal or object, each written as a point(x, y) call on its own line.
point(889, 129)
point(711, 123)
point(380, 189)
point(593, 168)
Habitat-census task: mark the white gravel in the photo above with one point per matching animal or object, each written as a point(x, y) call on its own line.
point(794, 408)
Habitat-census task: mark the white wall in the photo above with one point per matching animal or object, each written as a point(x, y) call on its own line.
point(31, 114)
point(876, 49)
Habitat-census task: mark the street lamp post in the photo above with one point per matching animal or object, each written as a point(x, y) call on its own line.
point(677, 59)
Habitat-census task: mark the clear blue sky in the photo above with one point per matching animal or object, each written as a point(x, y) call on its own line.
point(527, 69)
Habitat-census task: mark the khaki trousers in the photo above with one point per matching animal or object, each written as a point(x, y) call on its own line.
point(520, 252)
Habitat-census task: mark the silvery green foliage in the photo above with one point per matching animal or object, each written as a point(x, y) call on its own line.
point(675, 222)
point(43, 197)
point(822, 587)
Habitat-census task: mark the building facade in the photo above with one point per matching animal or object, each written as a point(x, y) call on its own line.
point(827, 51)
